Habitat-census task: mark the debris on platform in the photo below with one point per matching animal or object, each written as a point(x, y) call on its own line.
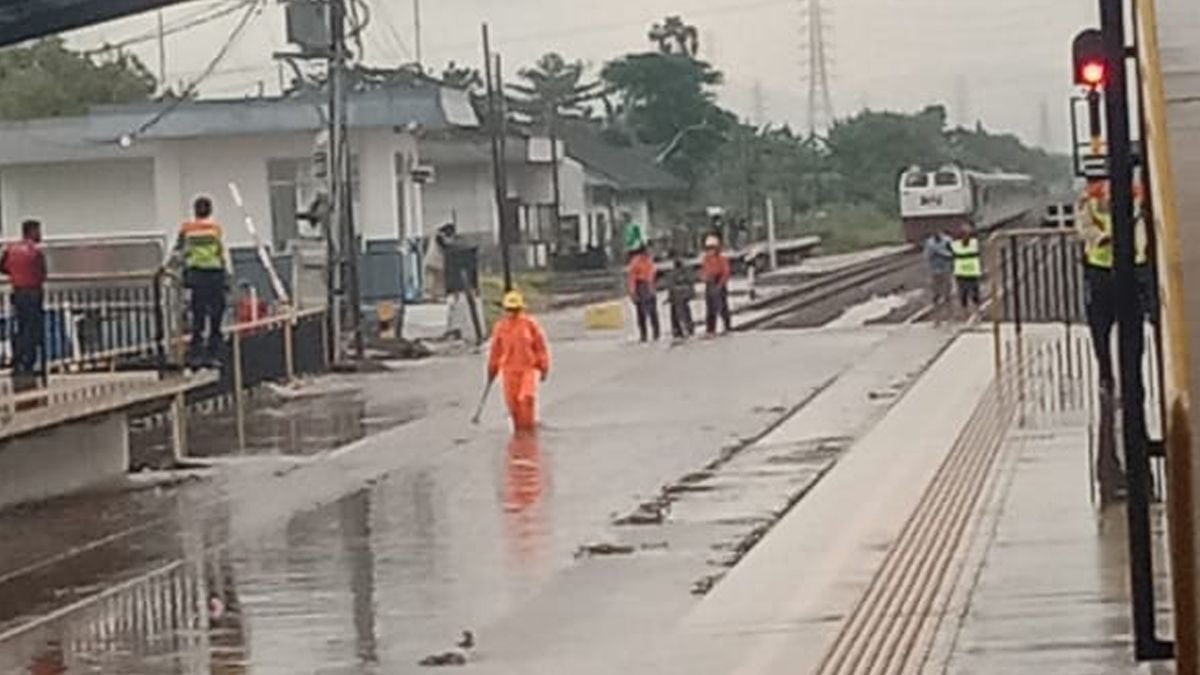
point(444, 659)
point(605, 549)
point(457, 657)
point(705, 584)
point(648, 513)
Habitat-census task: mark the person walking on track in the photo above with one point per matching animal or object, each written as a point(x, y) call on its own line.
point(519, 353)
point(642, 281)
point(940, 257)
point(1094, 224)
point(968, 269)
point(25, 265)
point(206, 275)
point(715, 272)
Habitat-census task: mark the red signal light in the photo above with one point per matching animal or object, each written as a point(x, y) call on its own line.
point(1093, 73)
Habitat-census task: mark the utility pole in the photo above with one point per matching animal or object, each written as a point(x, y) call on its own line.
point(343, 258)
point(417, 34)
point(162, 52)
point(556, 178)
point(496, 124)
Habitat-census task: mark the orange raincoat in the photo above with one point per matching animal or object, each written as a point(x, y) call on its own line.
point(520, 355)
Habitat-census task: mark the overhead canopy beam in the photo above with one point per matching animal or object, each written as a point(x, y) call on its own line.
point(22, 20)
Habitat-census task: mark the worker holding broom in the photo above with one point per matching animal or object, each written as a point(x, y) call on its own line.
point(519, 354)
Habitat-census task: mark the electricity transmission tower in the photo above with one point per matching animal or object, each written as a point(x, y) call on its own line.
point(815, 48)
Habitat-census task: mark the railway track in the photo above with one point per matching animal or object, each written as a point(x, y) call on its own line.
point(770, 311)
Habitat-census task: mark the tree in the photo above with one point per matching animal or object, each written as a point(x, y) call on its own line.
point(666, 100)
point(674, 36)
point(871, 150)
point(554, 88)
point(45, 79)
point(462, 77)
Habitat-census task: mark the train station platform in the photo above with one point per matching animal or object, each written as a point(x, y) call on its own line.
point(74, 432)
point(959, 536)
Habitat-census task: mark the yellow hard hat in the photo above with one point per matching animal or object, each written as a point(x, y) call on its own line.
point(513, 300)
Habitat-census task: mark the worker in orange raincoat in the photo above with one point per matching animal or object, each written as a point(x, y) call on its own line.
point(519, 353)
point(715, 272)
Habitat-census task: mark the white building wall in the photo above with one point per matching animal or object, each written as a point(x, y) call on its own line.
point(94, 197)
point(533, 184)
point(381, 185)
point(207, 166)
point(462, 193)
point(638, 208)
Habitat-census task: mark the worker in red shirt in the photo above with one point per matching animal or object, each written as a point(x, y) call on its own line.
point(25, 265)
point(642, 291)
point(715, 272)
point(519, 353)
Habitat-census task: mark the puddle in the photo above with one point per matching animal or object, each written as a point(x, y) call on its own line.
point(299, 424)
point(874, 309)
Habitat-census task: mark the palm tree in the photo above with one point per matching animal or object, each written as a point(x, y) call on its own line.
point(552, 89)
point(674, 36)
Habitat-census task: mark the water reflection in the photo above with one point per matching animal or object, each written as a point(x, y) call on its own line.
point(524, 492)
point(356, 538)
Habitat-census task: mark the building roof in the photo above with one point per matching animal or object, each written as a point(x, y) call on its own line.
point(426, 106)
point(620, 167)
point(26, 19)
point(94, 136)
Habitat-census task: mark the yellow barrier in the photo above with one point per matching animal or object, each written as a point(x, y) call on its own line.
point(605, 316)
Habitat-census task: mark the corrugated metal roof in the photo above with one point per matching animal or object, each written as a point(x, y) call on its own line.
point(627, 168)
point(428, 106)
point(26, 19)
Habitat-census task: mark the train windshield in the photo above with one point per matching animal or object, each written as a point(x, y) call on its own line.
point(916, 180)
point(946, 178)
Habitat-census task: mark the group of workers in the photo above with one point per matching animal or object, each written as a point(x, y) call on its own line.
point(642, 283)
point(955, 261)
point(958, 259)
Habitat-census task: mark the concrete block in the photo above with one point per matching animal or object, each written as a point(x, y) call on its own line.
point(605, 316)
point(64, 458)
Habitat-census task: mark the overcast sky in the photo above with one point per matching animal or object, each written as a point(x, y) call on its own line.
point(1005, 62)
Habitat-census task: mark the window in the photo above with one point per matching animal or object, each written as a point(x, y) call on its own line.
point(916, 180)
point(292, 191)
point(945, 179)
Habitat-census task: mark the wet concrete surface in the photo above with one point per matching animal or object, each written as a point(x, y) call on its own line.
point(368, 558)
point(1051, 595)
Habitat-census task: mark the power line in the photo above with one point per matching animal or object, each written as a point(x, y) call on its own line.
point(206, 16)
point(252, 9)
point(395, 34)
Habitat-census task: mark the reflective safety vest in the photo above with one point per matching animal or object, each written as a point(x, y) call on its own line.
point(202, 246)
point(1096, 223)
point(968, 264)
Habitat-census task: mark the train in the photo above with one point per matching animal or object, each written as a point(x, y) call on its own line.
point(951, 196)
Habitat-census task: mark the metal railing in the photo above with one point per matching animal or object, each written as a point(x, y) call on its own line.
point(98, 322)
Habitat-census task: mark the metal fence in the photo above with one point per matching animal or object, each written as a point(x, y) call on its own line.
point(110, 322)
point(1037, 276)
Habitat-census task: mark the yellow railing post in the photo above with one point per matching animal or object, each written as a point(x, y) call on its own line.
point(289, 344)
point(238, 383)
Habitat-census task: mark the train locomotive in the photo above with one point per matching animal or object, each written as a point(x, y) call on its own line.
point(950, 197)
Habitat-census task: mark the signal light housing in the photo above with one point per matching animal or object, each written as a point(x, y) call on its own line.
point(1090, 63)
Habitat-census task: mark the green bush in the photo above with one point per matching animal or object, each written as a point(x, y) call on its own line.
point(849, 227)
